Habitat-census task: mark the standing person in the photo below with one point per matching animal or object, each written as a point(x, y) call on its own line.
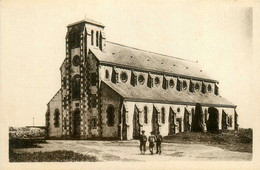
point(151, 140)
point(143, 139)
point(158, 143)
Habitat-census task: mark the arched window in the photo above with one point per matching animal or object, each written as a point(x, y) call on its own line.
point(110, 115)
point(92, 37)
point(216, 91)
point(57, 118)
point(185, 85)
point(76, 87)
point(163, 115)
point(107, 74)
point(47, 118)
point(100, 41)
point(97, 38)
point(179, 85)
point(203, 88)
point(145, 115)
point(165, 83)
point(209, 88)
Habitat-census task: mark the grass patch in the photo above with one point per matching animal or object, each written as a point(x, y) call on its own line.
point(241, 140)
point(54, 156)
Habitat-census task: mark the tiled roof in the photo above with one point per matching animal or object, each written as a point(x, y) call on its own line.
point(159, 95)
point(125, 56)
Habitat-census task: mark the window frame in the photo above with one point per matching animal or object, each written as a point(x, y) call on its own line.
point(56, 118)
point(110, 115)
point(163, 115)
point(121, 76)
point(145, 115)
point(184, 85)
point(209, 88)
point(158, 82)
point(141, 82)
point(97, 38)
point(75, 92)
point(92, 37)
point(107, 74)
point(76, 60)
point(171, 84)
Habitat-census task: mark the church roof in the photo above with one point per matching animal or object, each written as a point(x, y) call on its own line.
point(87, 20)
point(143, 93)
point(133, 58)
point(56, 94)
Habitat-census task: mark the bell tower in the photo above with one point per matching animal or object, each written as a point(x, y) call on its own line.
point(81, 36)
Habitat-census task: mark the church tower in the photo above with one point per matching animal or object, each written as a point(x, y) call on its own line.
point(81, 36)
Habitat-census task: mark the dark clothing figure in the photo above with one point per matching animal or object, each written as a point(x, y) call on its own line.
point(143, 140)
point(158, 144)
point(151, 140)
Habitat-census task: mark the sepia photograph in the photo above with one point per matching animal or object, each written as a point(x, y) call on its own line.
point(143, 83)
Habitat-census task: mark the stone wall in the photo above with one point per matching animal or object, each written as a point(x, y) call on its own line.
point(55, 104)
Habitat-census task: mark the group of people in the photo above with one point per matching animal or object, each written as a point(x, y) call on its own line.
point(152, 139)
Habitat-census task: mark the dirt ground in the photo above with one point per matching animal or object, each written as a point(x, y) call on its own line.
point(129, 151)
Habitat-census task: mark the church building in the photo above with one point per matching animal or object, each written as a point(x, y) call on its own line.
point(109, 90)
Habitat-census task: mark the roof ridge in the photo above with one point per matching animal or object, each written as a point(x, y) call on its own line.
point(88, 20)
point(153, 52)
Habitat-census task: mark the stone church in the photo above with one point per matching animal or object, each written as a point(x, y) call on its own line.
point(109, 90)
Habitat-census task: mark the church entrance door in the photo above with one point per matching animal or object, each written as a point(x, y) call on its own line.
point(212, 123)
point(76, 123)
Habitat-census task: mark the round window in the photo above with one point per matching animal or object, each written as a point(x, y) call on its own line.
point(197, 86)
point(209, 88)
point(171, 83)
point(76, 60)
point(123, 77)
point(184, 85)
point(141, 79)
point(178, 109)
point(157, 81)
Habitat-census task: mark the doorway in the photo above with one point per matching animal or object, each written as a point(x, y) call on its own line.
point(76, 123)
point(212, 123)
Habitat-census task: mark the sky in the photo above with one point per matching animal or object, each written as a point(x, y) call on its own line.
point(220, 36)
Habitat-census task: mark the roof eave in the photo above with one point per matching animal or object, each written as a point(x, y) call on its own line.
point(178, 102)
point(156, 71)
